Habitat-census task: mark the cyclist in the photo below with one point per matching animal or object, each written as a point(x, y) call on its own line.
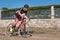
point(19, 16)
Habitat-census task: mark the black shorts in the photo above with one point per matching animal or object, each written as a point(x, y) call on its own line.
point(18, 17)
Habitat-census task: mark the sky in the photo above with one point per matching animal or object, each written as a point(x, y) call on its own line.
point(20, 3)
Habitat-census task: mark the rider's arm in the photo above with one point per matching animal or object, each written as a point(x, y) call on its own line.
point(19, 14)
point(26, 17)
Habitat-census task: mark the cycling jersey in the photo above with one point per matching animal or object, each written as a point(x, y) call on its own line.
point(21, 11)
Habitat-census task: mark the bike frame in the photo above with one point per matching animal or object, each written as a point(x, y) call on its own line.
point(23, 24)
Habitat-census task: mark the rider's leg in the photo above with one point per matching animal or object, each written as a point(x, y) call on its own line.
point(17, 26)
point(23, 25)
point(14, 24)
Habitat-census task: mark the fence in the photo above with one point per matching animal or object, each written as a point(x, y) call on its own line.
point(34, 14)
point(39, 17)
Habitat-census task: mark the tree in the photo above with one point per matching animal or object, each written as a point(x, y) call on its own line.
point(4, 9)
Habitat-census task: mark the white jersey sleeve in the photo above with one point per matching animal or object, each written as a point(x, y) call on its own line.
point(17, 11)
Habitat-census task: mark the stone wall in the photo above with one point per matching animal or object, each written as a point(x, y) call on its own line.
point(46, 23)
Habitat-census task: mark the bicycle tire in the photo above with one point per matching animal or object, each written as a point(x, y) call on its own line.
point(8, 33)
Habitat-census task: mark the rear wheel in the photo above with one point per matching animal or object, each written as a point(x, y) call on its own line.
point(9, 30)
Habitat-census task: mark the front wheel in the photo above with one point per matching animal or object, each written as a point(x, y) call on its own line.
point(22, 31)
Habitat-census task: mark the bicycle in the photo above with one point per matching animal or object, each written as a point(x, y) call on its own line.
point(23, 33)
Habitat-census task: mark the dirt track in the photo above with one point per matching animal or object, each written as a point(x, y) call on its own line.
point(38, 34)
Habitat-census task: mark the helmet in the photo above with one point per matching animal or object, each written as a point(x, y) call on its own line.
point(26, 6)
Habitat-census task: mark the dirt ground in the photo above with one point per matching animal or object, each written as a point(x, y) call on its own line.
point(37, 34)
